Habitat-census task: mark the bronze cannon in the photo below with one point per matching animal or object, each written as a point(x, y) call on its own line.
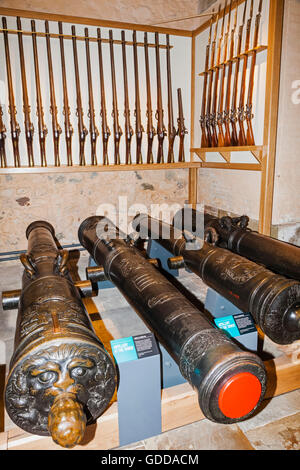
point(272, 299)
point(60, 376)
point(230, 382)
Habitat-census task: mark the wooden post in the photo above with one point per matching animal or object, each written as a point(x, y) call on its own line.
point(193, 172)
point(271, 114)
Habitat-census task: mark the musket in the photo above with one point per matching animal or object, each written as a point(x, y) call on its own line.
point(2, 141)
point(150, 128)
point(248, 112)
point(233, 112)
point(209, 91)
point(241, 116)
point(115, 113)
point(228, 91)
point(161, 130)
point(128, 127)
point(29, 129)
point(172, 131)
point(53, 108)
point(14, 126)
point(66, 108)
point(94, 133)
point(43, 131)
point(222, 80)
point(105, 128)
point(213, 115)
point(82, 130)
point(138, 120)
point(204, 139)
point(181, 127)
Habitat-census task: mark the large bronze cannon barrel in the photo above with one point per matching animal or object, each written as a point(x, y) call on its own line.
point(60, 378)
point(230, 382)
point(273, 300)
point(235, 235)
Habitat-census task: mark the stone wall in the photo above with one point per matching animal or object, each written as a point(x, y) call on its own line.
point(65, 200)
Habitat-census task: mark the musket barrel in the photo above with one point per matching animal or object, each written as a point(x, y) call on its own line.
point(138, 122)
point(207, 358)
point(29, 129)
point(161, 131)
point(272, 299)
point(43, 131)
point(60, 376)
point(53, 108)
point(150, 128)
point(105, 128)
point(68, 126)
point(172, 132)
point(14, 126)
point(128, 128)
point(82, 131)
point(94, 133)
point(115, 113)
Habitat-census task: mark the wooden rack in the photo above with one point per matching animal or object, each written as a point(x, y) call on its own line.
point(265, 153)
point(80, 38)
point(235, 58)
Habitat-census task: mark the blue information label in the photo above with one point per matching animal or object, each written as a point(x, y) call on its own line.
point(236, 325)
point(124, 349)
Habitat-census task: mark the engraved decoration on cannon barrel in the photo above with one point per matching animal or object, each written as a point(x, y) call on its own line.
point(273, 300)
point(61, 378)
point(230, 382)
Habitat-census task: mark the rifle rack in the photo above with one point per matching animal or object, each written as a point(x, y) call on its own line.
point(234, 59)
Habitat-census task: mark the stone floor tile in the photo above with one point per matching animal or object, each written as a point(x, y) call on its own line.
point(273, 409)
point(282, 434)
point(203, 435)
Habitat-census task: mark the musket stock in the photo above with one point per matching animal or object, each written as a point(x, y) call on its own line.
point(43, 131)
point(150, 128)
point(66, 109)
point(53, 108)
point(3, 161)
point(94, 133)
point(161, 130)
point(221, 138)
point(172, 132)
point(213, 115)
point(248, 111)
point(14, 126)
point(138, 121)
point(241, 108)
point(105, 128)
point(29, 129)
point(182, 131)
point(204, 139)
point(226, 117)
point(233, 113)
point(208, 116)
point(82, 130)
point(128, 128)
point(115, 113)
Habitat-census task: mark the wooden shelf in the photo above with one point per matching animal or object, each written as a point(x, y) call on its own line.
point(225, 153)
point(93, 168)
point(235, 58)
